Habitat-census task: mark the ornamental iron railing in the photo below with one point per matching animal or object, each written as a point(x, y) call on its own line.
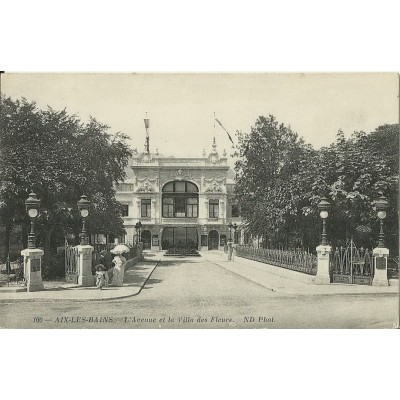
point(71, 263)
point(296, 260)
point(352, 265)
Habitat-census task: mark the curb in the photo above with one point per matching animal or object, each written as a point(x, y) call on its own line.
point(50, 300)
point(294, 293)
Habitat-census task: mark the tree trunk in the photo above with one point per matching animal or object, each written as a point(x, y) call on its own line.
point(47, 246)
point(8, 234)
point(24, 235)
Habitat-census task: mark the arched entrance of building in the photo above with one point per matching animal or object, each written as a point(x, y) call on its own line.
point(213, 239)
point(180, 237)
point(146, 239)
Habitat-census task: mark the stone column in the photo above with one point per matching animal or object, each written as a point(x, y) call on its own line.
point(86, 277)
point(323, 276)
point(33, 269)
point(381, 255)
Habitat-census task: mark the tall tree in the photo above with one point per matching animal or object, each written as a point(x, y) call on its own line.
point(281, 180)
point(60, 158)
point(272, 173)
point(357, 171)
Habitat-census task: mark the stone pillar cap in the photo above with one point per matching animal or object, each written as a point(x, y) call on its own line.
point(380, 250)
point(326, 248)
point(27, 252)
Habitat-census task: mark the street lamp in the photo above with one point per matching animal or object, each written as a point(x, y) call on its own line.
point(234, 237)
point(32, 206)
point(232, 226)
point(138, 228)
point(381, 206)
point(324, 207)
point(83, 207)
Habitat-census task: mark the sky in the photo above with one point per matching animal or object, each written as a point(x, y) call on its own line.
point(181, 106)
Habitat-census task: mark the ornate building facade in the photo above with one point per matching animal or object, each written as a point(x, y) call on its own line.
point(180, 202)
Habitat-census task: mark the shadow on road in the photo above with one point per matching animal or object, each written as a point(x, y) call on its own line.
point(170, 263)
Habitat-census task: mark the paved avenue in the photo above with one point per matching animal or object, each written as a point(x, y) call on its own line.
point(201, 293)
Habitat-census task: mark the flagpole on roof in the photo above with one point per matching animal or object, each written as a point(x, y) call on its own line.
point(147, 126)
point(229, 136)
point(214, 126)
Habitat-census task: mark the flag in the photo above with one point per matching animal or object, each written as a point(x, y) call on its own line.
point(229, 136)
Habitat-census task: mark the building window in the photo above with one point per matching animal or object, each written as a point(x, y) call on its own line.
point(168, 207)
point(235, 211)
point(125, 210)
point(213, 207)
point(222, 240)
point(180, 200)
point(146, 208)
point(191, 207)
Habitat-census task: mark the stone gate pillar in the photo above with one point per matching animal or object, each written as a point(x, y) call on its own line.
point(86, 277)
point(381, 255)
point(323, 276)
point(33, 269)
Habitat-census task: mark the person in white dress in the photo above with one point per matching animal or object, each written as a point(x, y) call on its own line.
point(118, 270)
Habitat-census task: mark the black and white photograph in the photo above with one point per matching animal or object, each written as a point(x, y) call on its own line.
point(199, 200)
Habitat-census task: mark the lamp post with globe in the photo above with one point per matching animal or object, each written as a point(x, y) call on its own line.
point(381, 253)
point(324, 207)
point(32, 206)
point(85, 277)
point(138, 227)
point(323, 250)
point(381, 206)
point(32, 255)
point(83, 207)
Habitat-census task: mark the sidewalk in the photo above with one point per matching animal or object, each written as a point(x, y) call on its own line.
point(136, 277)
point(256, 272)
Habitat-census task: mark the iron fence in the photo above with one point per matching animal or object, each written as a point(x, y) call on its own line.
point(351, 265)
point(71, 264)
point(296, 260)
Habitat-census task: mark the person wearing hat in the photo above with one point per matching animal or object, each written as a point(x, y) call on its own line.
point(102, 260)
point(119, 262)
point(100, 276)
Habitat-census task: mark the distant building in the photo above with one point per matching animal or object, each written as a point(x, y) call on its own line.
point(181, 202)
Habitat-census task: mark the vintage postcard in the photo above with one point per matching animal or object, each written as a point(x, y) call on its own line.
point(206, 200)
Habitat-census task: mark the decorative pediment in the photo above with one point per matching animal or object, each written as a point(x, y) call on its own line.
point(146, 185)
point(180, 175)
point(215, 186)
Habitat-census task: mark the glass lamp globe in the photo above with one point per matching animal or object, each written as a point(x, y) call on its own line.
point(323, 214)
point(84, 213)
point(33, 212)
point(381, 214)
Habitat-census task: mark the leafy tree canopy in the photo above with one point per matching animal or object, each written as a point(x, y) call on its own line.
point(281, 179)
point(60, 158)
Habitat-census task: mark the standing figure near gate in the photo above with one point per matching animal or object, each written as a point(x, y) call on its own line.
point(230, 251)
point(119, 270)
point(100, 276)
point(234, 246)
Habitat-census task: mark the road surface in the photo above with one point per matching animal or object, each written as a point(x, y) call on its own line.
point(197, 293)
